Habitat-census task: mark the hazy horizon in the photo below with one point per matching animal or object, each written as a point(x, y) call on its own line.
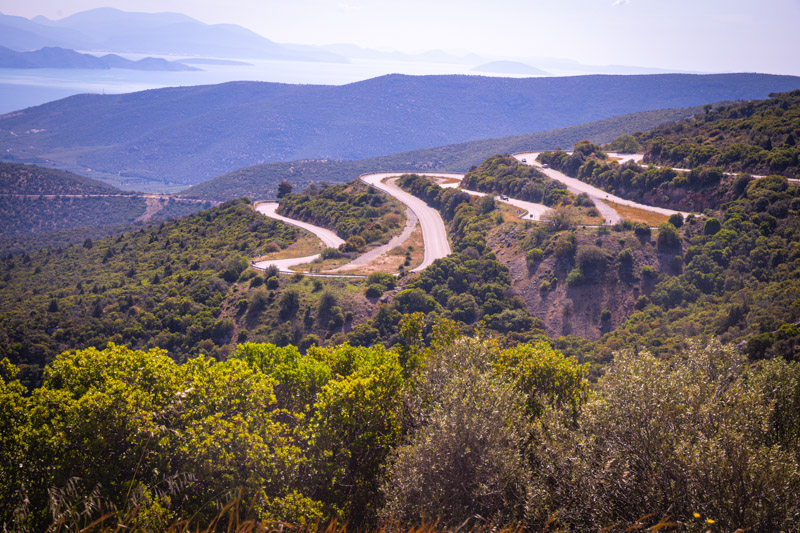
point(683, 35)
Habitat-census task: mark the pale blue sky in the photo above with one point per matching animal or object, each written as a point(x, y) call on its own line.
point(701, 35)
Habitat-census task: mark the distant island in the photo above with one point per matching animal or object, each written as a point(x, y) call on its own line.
point(55, 57)
point(510, 67)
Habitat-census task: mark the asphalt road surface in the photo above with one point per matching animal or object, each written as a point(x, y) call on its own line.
point(598, 195)
point(434, 234)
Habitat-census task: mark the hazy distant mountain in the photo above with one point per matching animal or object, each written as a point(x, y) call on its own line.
point(54, 57)
point(207, 61)
point(108, 29)
point(510, 67)
point(353, 51)
point(189, 134)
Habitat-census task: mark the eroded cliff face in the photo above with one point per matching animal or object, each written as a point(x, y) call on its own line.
point(608, 294)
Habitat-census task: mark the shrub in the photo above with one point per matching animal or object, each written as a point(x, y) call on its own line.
point(711, 227)
point(258, 301)
point(464, 460)
point(640, 229)
point(381, 278)
point(605, 315)
point(676, 219)
point(330, 253)
point(533, 257)
point(625, 257)
point(565, 245)
point(326, 308)
point(575, 277)
point(270, 271)
point(692, 433)
point(649, 272)
point(544, 286)
point(668, 236)
point(591, 258)
point(273, 282)
point(374, 291)
point(233, 267)
point(560, 218)
point(288, 304)
point(353, 244)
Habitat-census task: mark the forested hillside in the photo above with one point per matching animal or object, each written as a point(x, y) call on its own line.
point(31, 179)
point(183, 286)
point(356, 212)
point(757, 137)
point(41, 208)
point(187, 135)
point(546, 375)
point(261, 181)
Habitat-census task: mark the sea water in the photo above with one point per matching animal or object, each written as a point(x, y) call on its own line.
point(21, 88)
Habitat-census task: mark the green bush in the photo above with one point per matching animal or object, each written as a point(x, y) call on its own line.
point(668, 236)
point(649, 272)
point(591, 258)
point(575, 277)
point(534, 256)
point(676, 219)
point(711, 227)
point(641, 230)
point(374, 291)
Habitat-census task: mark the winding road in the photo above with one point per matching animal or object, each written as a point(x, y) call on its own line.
point(328, 238)
point(434, 233)
point(597, 195)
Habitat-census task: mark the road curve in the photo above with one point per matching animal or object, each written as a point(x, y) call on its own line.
point(328, 238)
point(534, 210)
point(598, 195)
point(434, 234)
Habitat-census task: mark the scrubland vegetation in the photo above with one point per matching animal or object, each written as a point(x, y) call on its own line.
point(152, 381)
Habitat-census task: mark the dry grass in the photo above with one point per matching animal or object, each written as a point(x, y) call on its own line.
point(510, 213)
point(308, 244)
point(444, 181)
point(322, 266)
point(391, 260)
point(638, 215)
point(586, 220)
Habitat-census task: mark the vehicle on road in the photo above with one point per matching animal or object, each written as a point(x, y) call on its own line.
point(524, 160)
point(545, 165)
point(504, 197)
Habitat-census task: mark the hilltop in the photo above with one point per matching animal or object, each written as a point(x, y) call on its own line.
point(187, 135)
point(31, 179)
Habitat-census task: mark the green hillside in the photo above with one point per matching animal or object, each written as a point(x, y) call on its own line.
point(182, 285)
point(42, 207)
point(31, 179)
point(545, 376)
point(758, 137)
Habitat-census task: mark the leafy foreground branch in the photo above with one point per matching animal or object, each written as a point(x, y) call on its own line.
point(459, 435)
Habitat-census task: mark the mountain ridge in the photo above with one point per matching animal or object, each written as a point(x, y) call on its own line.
point(189, 134)
point(57, 57)
point(113, 30)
